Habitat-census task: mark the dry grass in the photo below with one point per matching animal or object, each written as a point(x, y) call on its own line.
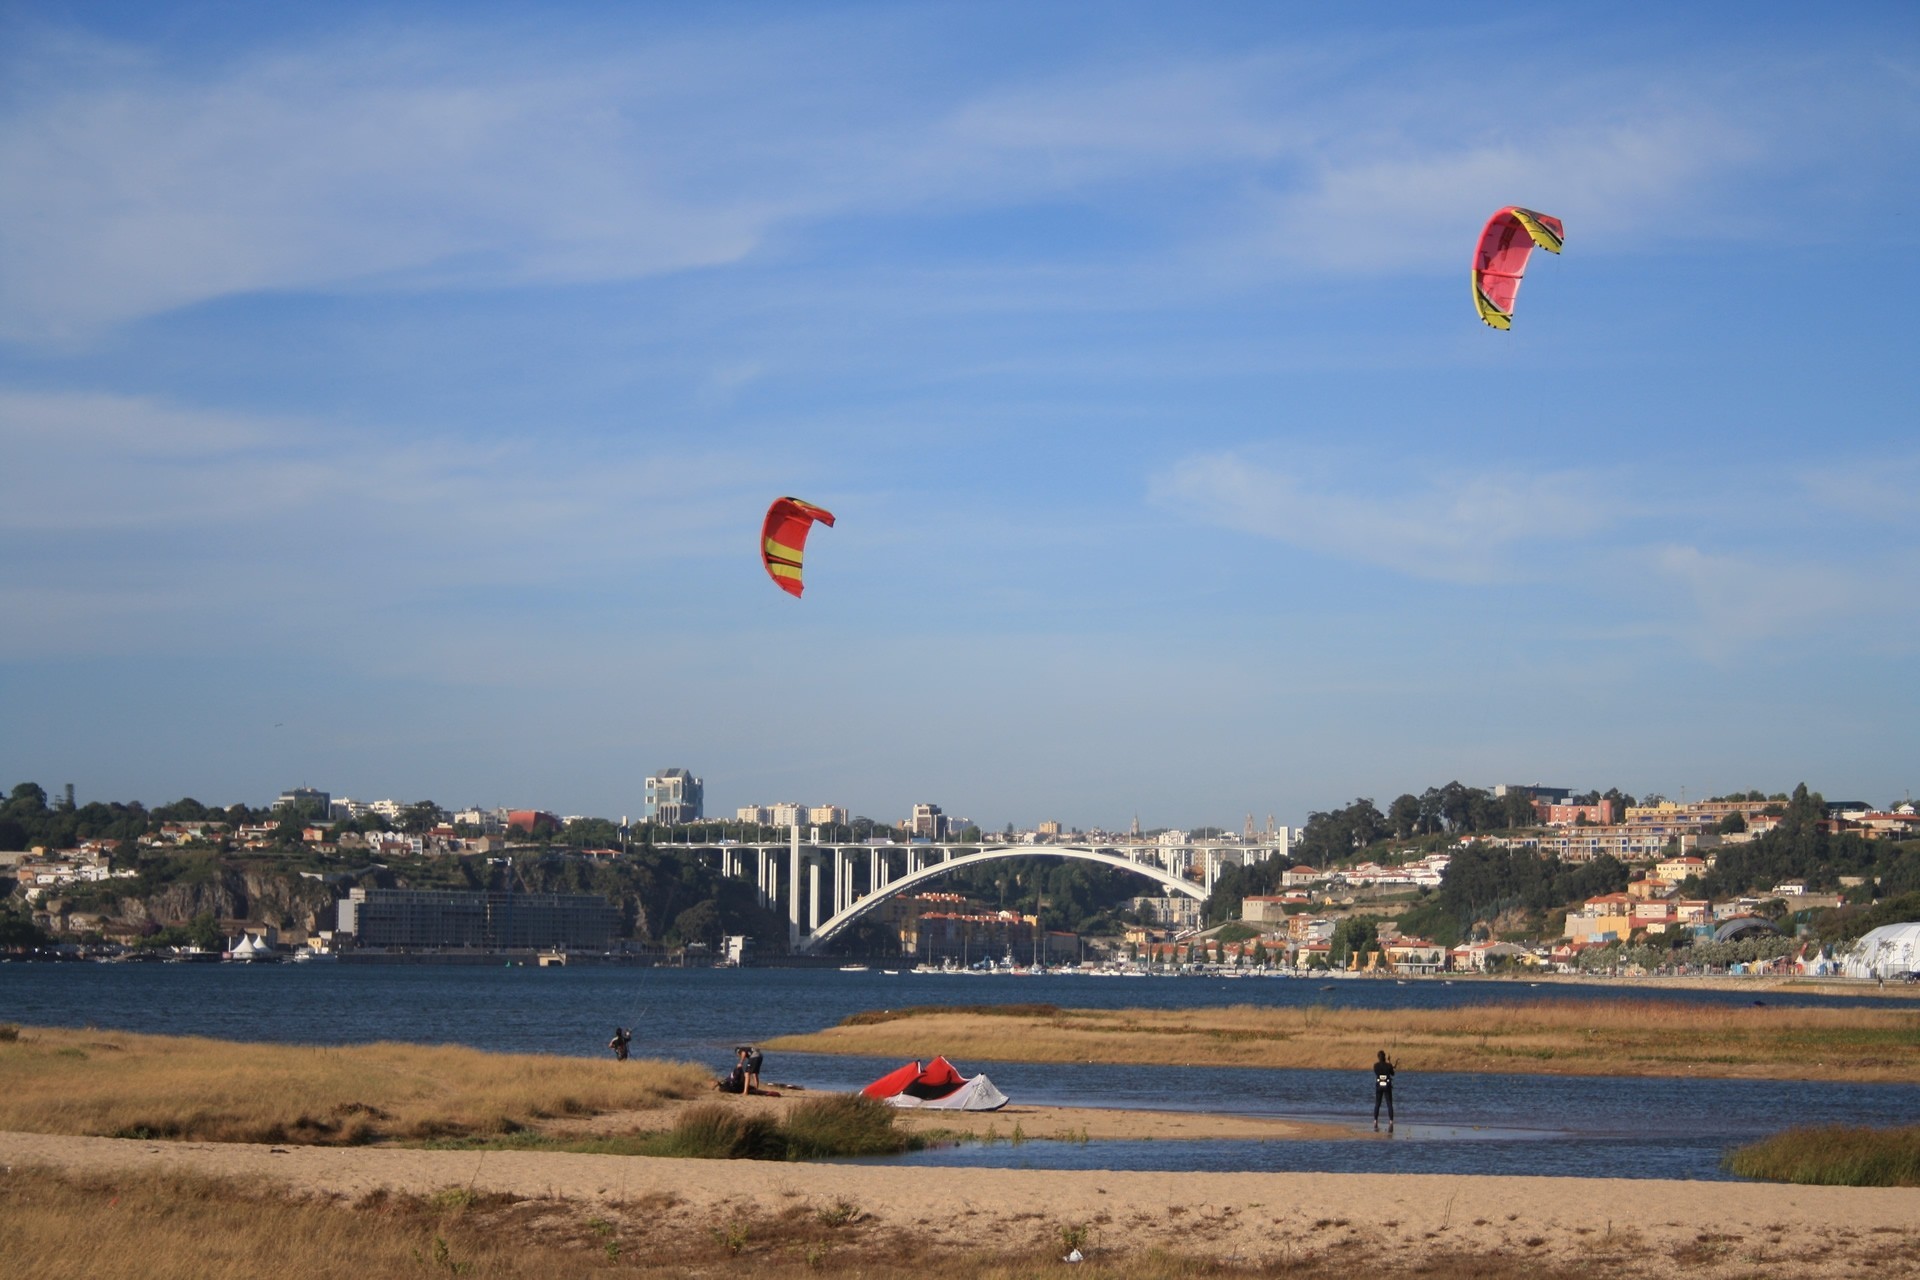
point(177, 1226)
point(1554, 1037)
point(56, 1080)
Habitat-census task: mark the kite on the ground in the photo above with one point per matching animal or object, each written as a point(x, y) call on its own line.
point(783, 540)
point(1501, 259)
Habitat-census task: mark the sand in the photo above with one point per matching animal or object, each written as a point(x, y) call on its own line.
point(1608, 1226)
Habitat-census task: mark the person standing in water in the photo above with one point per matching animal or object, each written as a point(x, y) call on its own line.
point(1382, 1089)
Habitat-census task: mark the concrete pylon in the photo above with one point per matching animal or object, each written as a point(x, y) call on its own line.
point(793, 890)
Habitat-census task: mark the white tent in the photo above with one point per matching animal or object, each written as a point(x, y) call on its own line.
point(1891, 951)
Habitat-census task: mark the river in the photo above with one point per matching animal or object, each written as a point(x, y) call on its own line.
point(1451, 1122)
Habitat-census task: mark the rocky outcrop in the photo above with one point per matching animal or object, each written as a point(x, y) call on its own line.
point(284, 899)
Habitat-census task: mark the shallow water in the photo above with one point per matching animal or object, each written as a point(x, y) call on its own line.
point(1451, 1122)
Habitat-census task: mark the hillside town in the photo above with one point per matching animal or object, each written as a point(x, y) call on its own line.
point(1647, 885)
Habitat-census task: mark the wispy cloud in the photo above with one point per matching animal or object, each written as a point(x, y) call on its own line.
point(127, 507)
point(428, 157)
point(1468, 528)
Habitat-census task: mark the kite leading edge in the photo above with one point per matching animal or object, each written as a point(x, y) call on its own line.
point(783, 540)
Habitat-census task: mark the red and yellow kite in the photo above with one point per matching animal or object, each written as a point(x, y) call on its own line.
point(1500, 259)
point(783, 540)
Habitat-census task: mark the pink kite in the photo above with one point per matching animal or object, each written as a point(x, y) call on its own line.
point(1501, 259)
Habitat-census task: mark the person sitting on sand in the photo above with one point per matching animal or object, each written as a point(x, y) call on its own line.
point(1382, 1089)
point(621, 1039)
point(734, 1081)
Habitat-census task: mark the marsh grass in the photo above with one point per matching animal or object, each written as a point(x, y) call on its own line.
point(175, 1226)
point(1573, 1037)
point(116, 1084)
point(874, 1016)
point(1834, 1156)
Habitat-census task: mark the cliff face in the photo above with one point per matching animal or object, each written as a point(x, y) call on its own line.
point(284, 900)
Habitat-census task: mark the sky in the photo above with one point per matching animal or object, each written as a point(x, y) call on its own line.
point(390, 396)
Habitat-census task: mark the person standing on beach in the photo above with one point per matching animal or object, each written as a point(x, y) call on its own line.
point(621, 1039)
point(1382, 1089)
point(754, 1059)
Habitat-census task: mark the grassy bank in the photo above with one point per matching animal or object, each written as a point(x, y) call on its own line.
point(1836, 1156)
point(830, 1126)
point(1563, 1037)
point(109, 1083)
point(178, 1226)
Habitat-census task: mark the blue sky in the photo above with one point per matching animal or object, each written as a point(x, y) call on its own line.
point(389, 399)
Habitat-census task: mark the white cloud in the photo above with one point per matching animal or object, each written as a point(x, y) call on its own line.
point(432, 157)
point(1723, 603)
point(125, 507)
point(1468, 528)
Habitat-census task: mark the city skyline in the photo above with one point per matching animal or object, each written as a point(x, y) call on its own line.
point(392, 395)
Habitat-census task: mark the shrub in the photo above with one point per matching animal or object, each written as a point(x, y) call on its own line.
point(715, 1131)
point(843, 1124)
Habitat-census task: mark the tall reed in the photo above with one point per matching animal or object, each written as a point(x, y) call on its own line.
point(1835, 1156)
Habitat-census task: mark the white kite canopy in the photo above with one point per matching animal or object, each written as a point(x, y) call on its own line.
point(977, 1094)
point(939, 1086)
point(1891, 951)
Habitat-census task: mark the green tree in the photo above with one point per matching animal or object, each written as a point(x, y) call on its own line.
point(18, 932)
point(1403, 815)
point(1354, 935)
point(698, 923)
point(420, 817)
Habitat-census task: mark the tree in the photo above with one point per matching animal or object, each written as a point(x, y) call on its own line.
point(1356, 935)
point(20, 933)
point(1731, 824)
point(28, 799)
point(420, 817)
point(1403, 815)
point(698, 923)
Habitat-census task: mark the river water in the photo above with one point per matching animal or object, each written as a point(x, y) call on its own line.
point(1450, 1122)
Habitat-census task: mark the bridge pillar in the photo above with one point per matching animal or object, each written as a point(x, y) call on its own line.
point(793, 889)
point(813, 894)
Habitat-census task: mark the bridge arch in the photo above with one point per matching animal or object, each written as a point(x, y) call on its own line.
point(1081, 853)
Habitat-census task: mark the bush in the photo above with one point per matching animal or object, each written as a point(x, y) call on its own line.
point(817, 1129)
point(843, 1124)
point(715, 1131)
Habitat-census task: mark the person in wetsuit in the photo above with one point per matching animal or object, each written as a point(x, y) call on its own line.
point(621, 1039)
point(1382, 1089)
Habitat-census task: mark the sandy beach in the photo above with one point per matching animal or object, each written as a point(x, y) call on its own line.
point(1601, 1226)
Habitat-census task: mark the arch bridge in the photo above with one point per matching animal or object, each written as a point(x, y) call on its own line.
point(834, 890)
